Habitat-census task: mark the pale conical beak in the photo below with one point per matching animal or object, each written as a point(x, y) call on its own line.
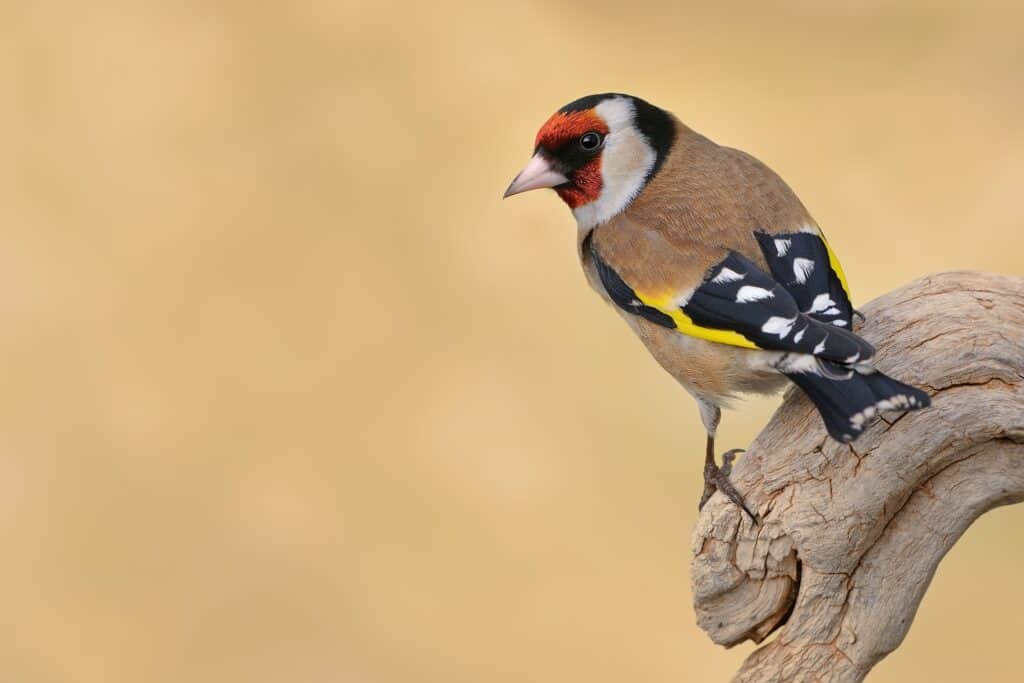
point(537, 174)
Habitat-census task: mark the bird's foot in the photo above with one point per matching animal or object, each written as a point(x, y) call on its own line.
point(717, 479)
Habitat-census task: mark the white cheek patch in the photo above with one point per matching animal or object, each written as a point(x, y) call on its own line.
point(626, 160)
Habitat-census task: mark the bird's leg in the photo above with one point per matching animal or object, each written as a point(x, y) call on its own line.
point(717, 478)
point(710, 470)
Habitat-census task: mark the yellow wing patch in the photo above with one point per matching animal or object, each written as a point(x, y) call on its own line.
point(684, 323)
point(833, 261)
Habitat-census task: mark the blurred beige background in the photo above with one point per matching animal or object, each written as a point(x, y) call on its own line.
point(291, 395)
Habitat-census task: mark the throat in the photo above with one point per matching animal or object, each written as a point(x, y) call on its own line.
point(585, 186)
point(574, 197)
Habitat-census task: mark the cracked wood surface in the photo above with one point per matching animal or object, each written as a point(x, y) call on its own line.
point(851, 534)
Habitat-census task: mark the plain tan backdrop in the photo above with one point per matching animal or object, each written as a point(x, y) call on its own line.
point(289, 394)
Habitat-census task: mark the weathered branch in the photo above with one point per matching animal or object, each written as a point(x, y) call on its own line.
point(852, 534)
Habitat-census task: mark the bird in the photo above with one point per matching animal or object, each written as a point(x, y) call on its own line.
point(714, 263)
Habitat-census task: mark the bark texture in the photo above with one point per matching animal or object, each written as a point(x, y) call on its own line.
point(851, 534)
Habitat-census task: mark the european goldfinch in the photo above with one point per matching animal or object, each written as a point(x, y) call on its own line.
point(713, 262)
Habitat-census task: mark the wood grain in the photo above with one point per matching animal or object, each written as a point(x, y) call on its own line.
point(852, 533)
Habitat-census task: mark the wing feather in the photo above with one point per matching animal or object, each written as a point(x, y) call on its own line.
point(804, 264)
point(739, 304)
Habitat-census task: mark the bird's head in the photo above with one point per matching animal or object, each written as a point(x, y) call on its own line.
point(598, 153)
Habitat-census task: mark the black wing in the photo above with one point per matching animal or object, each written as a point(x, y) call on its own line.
point(737, 295)
point(737, 303)
point(801, 262)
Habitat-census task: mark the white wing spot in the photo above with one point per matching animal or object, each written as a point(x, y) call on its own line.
point(858, 420)
point(821, 302)
point(782, 246)
point(799, 336)
point(727, 275)
point(895, 402)
point(838, 323)
point(749, 293)
point(820, 347)
point(802, 269)
point(778, 326)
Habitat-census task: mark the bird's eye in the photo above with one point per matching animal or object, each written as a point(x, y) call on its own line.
point(590, 141)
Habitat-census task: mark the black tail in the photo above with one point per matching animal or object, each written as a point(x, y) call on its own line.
point(846, 405)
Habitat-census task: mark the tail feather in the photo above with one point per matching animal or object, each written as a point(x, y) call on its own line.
point(847, 404)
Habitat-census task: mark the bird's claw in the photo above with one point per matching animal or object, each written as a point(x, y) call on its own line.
point(717, 479)
point(727, 459)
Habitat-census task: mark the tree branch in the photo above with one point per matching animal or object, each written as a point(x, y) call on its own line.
point(852, 533)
